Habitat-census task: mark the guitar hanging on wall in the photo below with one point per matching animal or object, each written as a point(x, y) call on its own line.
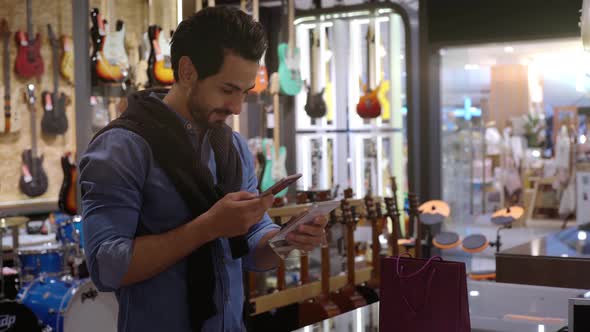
point(261, 82)
point(368, 106)
point(10, 122)
point(54, 121)
point(33, 181)
point(289, 73)
point(66, 66)
point(161, 73)
point(315, 105)
point(67, 194)
point(107, 57)
point(28, 62)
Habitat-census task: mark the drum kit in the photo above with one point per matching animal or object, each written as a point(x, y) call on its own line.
point(45, 286)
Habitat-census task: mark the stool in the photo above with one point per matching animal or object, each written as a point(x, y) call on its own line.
point(446, 240)
point(475, 243)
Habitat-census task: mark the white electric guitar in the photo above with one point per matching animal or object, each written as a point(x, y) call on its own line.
point(585, 24)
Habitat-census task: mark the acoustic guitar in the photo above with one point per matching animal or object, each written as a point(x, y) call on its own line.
point(67, 194)
point(368, 106)
point(289, 62)
point(10, 122)
point(315, 106)
point(33, 181)
point(66, 67)
point(29, 62)
point(54, 121)
point(321, 307)
point(261, 82)
point(348, 298)
point(111, 68)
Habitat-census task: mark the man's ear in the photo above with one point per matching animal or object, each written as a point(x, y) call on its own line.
point(187, 73)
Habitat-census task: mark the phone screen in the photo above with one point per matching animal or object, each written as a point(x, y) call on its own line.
point(282, 184)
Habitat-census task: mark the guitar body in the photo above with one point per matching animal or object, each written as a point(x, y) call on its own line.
point(348, 299)
point(274, 167)
point(109, 58)
point(261, 82)
point(28, 62)
point(315, 106)
point(66, 67)
point(368, 106)
point(54, 121)
point(316, 310)
point(33, 183)
point(67, 194)
point(160, 57)
point(289, 74)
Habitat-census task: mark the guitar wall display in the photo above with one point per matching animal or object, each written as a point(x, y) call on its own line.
point(54, 121)
point(29, 62)
point(368, 106)
point(315, 106)
point(33, 181)
point(10, 122)
point(289, 72)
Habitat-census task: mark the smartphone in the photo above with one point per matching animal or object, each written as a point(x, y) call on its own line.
point(281, 185)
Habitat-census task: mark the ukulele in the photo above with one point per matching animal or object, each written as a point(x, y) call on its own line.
point(54, 121)
point(348, 298)
point(321, 307)
point(315, 106)
point(415, 219)
point(261, 82)
point(10, 122)
point(66, 67)
point(289, 73)
point(67, 194)
point(33, 181)
point(162, 73)
point(28, 58)
point(102, 68)
point(368, 106)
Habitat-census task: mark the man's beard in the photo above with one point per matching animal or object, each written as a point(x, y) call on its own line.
point(201, 115)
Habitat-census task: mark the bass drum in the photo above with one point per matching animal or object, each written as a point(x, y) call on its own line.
point(69, 305)
point(15, 317)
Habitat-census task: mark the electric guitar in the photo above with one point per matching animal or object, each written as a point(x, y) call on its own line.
point(67, 194)
point(67, 59)
point(28, 58)
point(162, 73)
point(315, 105)
point(276, 155)
point(368, 106)
point(54, 121)
point(289, 73)
point(261, 82)
point(10, 122)
point(33, 181)
point(107, 57)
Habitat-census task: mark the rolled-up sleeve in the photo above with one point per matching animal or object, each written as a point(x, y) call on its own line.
point(265, 225)
point(112, 174)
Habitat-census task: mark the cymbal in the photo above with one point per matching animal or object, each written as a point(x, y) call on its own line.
point(513, 212)
point(13, 221)
point(435, 207)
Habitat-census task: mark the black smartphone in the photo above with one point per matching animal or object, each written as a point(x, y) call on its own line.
point(281, 185)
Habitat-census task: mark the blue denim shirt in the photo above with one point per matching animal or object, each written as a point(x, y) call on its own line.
point(123, 186)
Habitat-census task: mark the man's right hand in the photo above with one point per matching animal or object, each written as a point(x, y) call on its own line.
point(234, 214)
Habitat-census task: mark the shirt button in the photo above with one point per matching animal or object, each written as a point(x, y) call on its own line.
point(188, 126)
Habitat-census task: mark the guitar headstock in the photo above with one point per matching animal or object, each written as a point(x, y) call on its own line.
point(413, 200)
point(393, 185)
point(4, 28)
point(52, 37)
point(274, 84)
point(391, 207)
point(30, 94)
point(348, 193)
point(347, 215)
point(371, 207)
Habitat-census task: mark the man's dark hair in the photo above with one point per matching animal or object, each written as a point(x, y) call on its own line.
point(206, 36)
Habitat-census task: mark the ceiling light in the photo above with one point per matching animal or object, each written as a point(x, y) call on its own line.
point(509, 49)
point(471, 66)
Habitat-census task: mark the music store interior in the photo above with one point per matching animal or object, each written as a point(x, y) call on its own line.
point(446, 142)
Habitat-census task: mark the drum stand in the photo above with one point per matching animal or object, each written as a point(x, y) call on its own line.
point(498, 243)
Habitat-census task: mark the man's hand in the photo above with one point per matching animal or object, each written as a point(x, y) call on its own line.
point(235, 213)
point(307, 237)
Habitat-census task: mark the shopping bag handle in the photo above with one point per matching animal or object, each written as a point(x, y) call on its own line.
point(422, 269)
point(426, 294)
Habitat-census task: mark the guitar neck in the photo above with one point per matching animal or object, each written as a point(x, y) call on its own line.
point(314, 60)
point(276, 131)
point(6, 66)
point(371, 55)
point(55, 57)
point(33, 119)
point(350, 253)
point(30, 20)
point(291, 16)
point(326, 265)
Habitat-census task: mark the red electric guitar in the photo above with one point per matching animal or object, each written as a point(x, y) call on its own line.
point(28, 58)
point(368, 106)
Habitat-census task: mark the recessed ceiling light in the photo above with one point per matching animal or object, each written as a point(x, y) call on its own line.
point(471, 66)
point(509, 49)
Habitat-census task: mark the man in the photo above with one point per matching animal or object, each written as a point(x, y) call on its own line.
point(170, 206)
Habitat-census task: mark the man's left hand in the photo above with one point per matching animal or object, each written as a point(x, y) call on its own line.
point(307, 237)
